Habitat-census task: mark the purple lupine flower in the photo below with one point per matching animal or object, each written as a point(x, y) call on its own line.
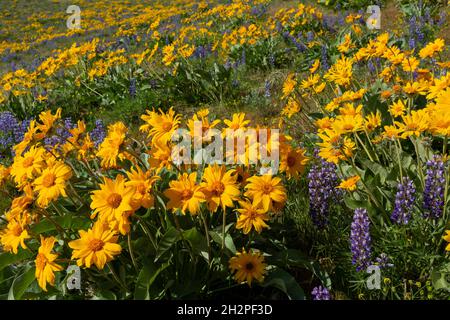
point(383, 261)
point(404, 201)
point(360, 240)
point(132, 88)
point(324, 57)
point(267, 89)
point(320, 293)
point(61, 135)
point(98, 134)
point(322, 183)
point(433, 194)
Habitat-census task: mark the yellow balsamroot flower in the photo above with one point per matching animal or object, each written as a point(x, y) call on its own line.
point(251, 216)
point(349, 184)
point(266, 190)
point(397, 109)
point(394, 55)
point(185, 194)
point(142, 182)
point(324, 123)
point(443, 100)
point(349, 109)
point(334, 147)
point(292, 107)
point(289, 85)
point(410, 64)
point(52, 183)
point(96, 246)
point(15, 233)
point(111, 149)
point(415, 87)
point(391, 132)
point(237, 121)
point(447, 238)
point(160, 156)
point(28, 137)
point(372, 121)
point(219, 187)
point(4, 174)
point(413, 124)
point(293, 161)
point(20, 204)
point(311, 81)
point(160, 126)
point(113, 199)
point(315, 66)
point(348, 123)
point(27, 166)
point(248, 267)
point(346, 45)
point(47, 120)
point(430, 49)
point(45, 263)
point(341, 72)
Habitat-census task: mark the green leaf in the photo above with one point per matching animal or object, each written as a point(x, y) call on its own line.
point(229, 243)
point(21, 283)
point(7, 258)
point(439, 279)
point(283, 281)
point(66, 222)
point(147, 276)
point(167, 241)
point(197, 241)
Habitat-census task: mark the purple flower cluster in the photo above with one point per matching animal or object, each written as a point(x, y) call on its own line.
point(61, 134)
point(298, 43)
point(98, 134)
point(433, 194)
point(11, 132)
point(132, 88)
point(320, 293)
point(322, 183)
point(404, 201)
point(383, 261)
point(360, 240)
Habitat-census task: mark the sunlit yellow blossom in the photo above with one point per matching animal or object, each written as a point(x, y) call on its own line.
point(15, 234)
point(27, 166)
point(265, 190)
point(185, 194)
point(52, 183)
point(219, 187)
point(251, 216)
point(113, 199)
point(45, 263)
point(397, 109)
point(350, 183)
point(97, 246)
point(248, 267)
point(160, 126)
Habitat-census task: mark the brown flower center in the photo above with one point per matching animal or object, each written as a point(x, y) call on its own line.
point(217, 188)
point(114, 200)
point(17, 230)
point(167, 126)
point(186, 194)
point(291, 161)
point(28, 162)
point(96, 245)
point(249, 266)
point(267, 188)
point(41, 260)
point(49, 180)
